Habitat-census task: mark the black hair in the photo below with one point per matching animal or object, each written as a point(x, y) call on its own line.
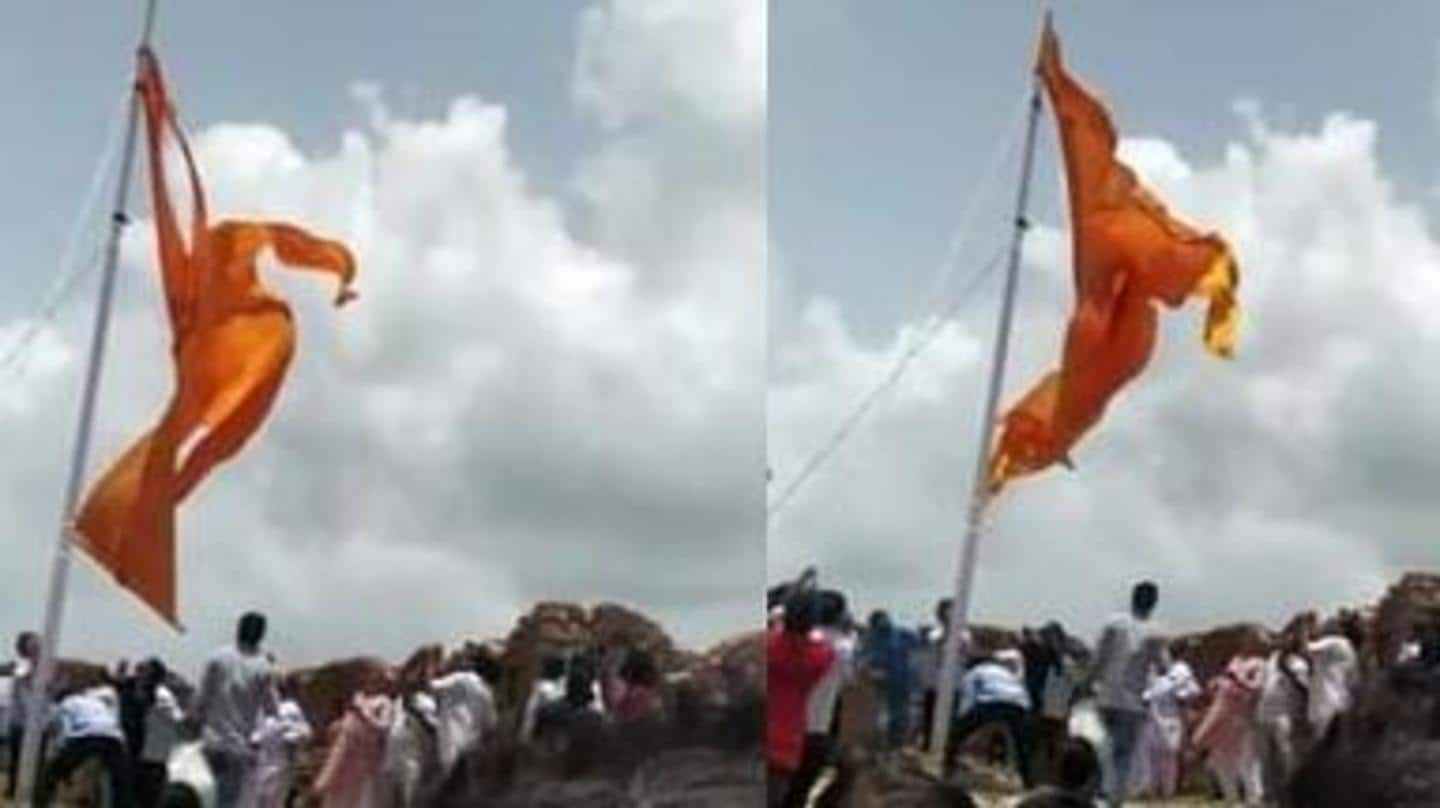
point(180, 795)
point(1144, 597)
point(486, 666)
point(1384, 751)
point(831, 607)
point(776, 595)
point(25, 638)
point(1352, 628)
point(154, 672)
point(580, 683)
point(250, 630)
point(800, 612)
point(1079, 765)
point(639, 669)
point(552, 668)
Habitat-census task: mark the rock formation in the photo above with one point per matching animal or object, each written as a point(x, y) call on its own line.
point(561, 629)
point(710, 756)
point(1414, 600)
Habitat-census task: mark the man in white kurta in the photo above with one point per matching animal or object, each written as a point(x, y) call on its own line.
point(1334, 674)
point(1282, 702)
point(276, 739)
point(1156, 769)
point(410, 751)
point(465, 709)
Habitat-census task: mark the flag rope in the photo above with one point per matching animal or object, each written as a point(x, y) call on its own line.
point(1000, 155)
point(71, 268)
point(928, 333)
point(914, 342)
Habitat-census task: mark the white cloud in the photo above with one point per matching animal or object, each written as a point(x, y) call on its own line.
point(674, 60)
point(1297, 475)
point(530, 399)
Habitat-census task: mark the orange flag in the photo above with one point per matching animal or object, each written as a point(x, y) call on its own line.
point(232, 342)
point(1129, 255)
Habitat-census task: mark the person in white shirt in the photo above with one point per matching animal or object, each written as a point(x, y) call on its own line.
point(411, 753)
point(1157, 769)
point(548, 689)
point(993, 692)
point(236, 689)
point(277, 738)
point(820, 709)
point(465, 708)
point(928, 666)
point(932, 662)
point(152, 728)
point(1126, 653)
point(578, 712)
point(1281, 711)
point(1334, 672)
point(88, 727)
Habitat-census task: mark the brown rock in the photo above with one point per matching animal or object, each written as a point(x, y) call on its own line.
point(553, 628)
point(1414, 600)
point(733, 666)
point(1208, 652)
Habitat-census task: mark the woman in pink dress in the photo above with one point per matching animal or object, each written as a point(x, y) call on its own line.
point(1226, 734)
point(351, 776)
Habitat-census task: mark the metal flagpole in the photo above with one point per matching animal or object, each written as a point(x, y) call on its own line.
point(59, 573)
point(964, 579)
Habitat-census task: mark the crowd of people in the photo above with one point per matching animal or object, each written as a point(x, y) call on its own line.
point(397, 741)
point(131, 722)
point(1246, 730)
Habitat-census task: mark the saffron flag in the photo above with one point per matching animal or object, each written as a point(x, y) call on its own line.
point(1129, 255)
point(232, 342)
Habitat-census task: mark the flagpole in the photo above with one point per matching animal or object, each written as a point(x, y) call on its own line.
point(36, 715)
point(965, 577)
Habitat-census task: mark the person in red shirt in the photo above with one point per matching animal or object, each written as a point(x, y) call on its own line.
point(794, 663)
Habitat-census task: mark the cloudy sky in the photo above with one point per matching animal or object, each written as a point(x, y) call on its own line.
point(1300, 474)
point(551, 386)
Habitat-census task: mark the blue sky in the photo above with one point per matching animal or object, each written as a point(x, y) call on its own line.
point(266, 61)
point(900, 105)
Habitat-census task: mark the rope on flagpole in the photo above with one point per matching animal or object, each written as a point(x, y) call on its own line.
point(914, 342)
point(927, 335)
point(72, 269)
point(985, 182)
